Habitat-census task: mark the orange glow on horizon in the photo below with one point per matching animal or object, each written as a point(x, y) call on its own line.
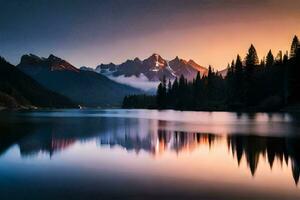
point(209, 38)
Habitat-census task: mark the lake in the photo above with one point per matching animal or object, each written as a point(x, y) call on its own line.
point(148, 154)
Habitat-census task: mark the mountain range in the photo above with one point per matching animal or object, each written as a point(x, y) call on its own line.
point(18, 90)
point(86, 88)
point(151, 69)
point(54, 82)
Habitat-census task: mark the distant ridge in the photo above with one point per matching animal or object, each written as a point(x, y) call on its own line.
point(86, 88)
point(53, 63)
point(18, 90)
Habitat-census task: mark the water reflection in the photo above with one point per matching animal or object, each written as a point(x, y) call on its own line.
point(52, 135)
point(252, 147)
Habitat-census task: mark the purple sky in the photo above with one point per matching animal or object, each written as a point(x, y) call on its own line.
point(92, 32)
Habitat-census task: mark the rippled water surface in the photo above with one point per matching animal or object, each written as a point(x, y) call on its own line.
point(142, 154)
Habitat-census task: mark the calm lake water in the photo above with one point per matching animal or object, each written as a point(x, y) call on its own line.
point(142, 154)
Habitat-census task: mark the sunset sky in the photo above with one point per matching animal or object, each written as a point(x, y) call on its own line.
point(101, 31)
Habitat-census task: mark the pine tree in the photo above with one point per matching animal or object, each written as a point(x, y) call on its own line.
point(174, 100)
point(182, 93)
point(209, 87)
point(175, 86)
point(230, 82)
point(169, 93)
point(198, 77)
point(251, 62)
point(159, 96)
point(239, 80)
point(251, 57)
point(270, 59)
point(197, 86)
point(238, 65)
point(293, 78)
point(295, 45)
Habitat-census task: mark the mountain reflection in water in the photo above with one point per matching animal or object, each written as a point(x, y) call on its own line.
point(53, 136)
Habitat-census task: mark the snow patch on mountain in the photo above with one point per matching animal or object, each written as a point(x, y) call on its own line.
point(169, 68)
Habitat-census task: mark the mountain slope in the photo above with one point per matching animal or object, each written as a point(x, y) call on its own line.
point(203, 71)
point(17, 89)
point(83, 87)
point(223, 72)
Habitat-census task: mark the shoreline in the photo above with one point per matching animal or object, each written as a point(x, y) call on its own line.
point(282, 110)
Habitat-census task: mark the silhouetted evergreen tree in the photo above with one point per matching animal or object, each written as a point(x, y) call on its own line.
point(230, 81)
point(239, 81)
point(162, 94)
point(251, 61)
point(293, 77)
point(294, 47)
point(209, 84)
point(251, 57)
point(182, 98)
point(270, 59)
point(197, 91)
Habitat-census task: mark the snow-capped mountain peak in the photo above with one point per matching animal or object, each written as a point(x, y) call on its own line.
point(153, 68)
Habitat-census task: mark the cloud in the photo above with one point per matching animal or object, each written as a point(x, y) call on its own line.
point(141, 82)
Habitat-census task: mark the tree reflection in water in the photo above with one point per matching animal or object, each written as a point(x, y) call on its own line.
point(57, 135)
